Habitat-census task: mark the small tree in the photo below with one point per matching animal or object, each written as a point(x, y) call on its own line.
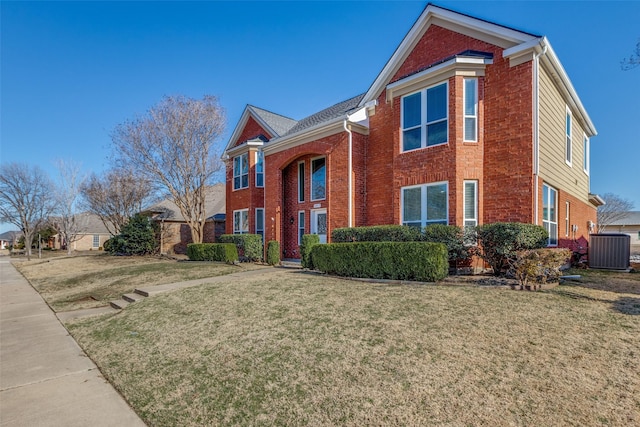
point(614, 209)
point(26, 199)
point(137, 237)
point(67, 222)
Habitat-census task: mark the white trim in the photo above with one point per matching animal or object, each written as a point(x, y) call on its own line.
point(423, 202)
point(256, 222)
point(547, 223)
point(240, 175)
point(258, 153)
point(464, 112)
point(301, 227)
point(239, 230)
point(586, 154)
point(311, 178)
point(423, 118)
point(567, 212)
point(464, 201)
point(244, 118)
point(313, 224)
point(568, 138)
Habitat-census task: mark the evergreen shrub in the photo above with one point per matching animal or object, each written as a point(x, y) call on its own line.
point(225, 252)
point(419, 261)
point(273, 252)
point(249, 245)
point(377, 233)
point(308, 242)
point(137, 237)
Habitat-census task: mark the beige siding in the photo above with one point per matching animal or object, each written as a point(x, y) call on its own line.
point(85, 243)
point(553, 168)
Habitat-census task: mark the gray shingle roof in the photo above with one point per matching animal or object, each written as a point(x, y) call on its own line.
point(215, 198)
point(632, 219)
point(326, 115)
point(278, 123)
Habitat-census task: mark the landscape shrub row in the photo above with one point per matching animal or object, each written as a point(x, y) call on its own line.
point(249, 246)
point(419, 261)
point(307, 244)
point(224, 252)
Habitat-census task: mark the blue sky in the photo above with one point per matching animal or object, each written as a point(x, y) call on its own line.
point(72, 71)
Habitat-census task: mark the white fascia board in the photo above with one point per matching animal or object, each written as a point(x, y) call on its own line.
point(458, 22)
point(248, 112)
point(306, 135)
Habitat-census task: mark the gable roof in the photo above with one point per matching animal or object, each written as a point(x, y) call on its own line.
point(215, 197)
point(275, 124)
point(10, 235)
point(327, 115)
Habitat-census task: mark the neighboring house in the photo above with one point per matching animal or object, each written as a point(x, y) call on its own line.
point(628, 225)
point(9, 239)
point(468, 123)
point(175, 233)
point(91, 236)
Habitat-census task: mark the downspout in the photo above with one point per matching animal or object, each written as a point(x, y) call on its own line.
point(536, 129)
point(350, 173)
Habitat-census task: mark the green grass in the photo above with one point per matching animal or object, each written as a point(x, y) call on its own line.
point(287, 348)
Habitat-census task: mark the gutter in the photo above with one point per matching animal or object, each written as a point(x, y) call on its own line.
point(536, 128)
point(350, 171)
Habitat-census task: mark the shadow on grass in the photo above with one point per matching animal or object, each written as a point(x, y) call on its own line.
point(627, 305)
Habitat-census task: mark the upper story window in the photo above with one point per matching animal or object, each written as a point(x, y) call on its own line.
point(424, 117)
point(241, 171)
point(318, 179)
point(471, 110)
point(259, 169)
point(586, 159)
point(300, 182)
point(568, 153)
point(241, 221)
point(426, 204)
point(550, 213)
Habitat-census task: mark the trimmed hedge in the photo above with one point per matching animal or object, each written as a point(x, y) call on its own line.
point(501, 241)
point(249, 245)
point(307, 244)
point(419, 261)
point(377, 233)
point(452, 237)
point(226, 252)
point(273, 252)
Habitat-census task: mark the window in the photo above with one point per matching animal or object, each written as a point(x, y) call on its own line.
point(241, 171)
point(96, 240)
point(549, 213)
point(470, 203)
point(241, 221)
point(568, 141)
point(586, 159)
point(566, 219)
point(300, 182)
point(471, 110)
point(259, 169)
point(423, 205)
point(260, 222)
point(318, 179)
point(425, 118)
point(300, 226)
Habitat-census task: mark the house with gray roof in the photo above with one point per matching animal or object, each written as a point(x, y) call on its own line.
point(630, 225)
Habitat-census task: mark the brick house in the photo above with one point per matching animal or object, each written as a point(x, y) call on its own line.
point(469, 122)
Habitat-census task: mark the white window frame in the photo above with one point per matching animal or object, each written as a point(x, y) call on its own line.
point(301, 181)
point(238, 173)
point(325, 178)
point(548, 222)
point(568, 146)
point(260, 214)
point(301, 224)
point(466, 116)
point(467, 220)
point(567, 212)
point(424, 203)
point(96, 237)
point(586, 146)
point(237, 227)
point(423, 118)
point(259, 161)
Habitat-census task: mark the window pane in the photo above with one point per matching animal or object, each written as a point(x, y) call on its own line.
point(260, 180)
point(470, 129)
point(318, 179)
point(301, 182)
point(469, 201)
point(437, 202)
point(245, 180)
point(552, 205)
point(236, 222)
point(322, 223)
point(411, 110)
point(417, 225)
point(259, 162)
point(259, 219)
point(437, 133)
point(470, 97)
point(245, 221)
point(411, 139)
point(437, 103)
point(236, 166)
point(236, 182)
point(412, 205)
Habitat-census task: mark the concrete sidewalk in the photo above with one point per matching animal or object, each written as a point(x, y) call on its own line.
point(45, 377)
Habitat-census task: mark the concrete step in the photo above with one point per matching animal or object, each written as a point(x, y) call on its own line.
point(118, 304)
point(134, 297)
point(142, 292)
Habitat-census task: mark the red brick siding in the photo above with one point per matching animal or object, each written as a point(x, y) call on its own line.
point(177, 235)
point(252, 129)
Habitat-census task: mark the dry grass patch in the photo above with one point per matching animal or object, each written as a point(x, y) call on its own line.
point(71, 283)
point(289, 348)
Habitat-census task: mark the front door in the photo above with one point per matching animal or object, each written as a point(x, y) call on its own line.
point(319, 224)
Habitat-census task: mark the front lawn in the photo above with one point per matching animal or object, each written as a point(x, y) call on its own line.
point(291, 348)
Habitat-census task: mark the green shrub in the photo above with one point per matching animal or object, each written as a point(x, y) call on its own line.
point(377, 233)
point(249, 245)
point(420, 261)
point(107, 244)
point(452, 237)
point(225, 252)
point(501, 240)
point(273, 252)
point(308, 242)
point(137, 237)
point(538, 266)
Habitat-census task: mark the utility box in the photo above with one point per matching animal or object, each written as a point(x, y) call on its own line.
point(609, 251)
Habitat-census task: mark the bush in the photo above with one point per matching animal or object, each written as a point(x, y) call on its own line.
point(538, 266)
point(377, 233)
point(421, 261)
point(137, 237)
point(249, 245)
point(225, 252)
point(500, 241)
point(452, 237)
point(273, 252)
point(308, 242)
point(107, 244)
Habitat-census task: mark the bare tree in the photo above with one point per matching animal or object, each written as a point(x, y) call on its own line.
point(615, 209)
point(174, 146)
point(67, 222)
point(633, 60)
point(26, 199)
point(115, 197)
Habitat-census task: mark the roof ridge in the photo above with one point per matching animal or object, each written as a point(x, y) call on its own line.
point(270, 112)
